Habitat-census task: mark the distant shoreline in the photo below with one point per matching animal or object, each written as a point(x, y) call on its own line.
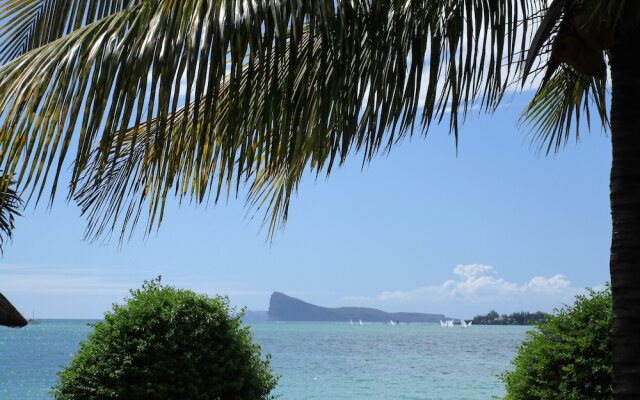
point(506, 324)
point(516, 318)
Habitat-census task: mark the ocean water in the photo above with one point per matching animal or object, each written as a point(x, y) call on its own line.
point(315, 360)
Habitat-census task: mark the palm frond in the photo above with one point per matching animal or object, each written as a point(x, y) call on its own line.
point(570, 47)
point(42, 94)
point(547, 28)
point(29, 24)
point(109, 196)
point(557, 108)
point(305, 80)
point(10, 207)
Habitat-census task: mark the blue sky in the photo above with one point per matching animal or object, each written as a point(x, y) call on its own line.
point(497, 226)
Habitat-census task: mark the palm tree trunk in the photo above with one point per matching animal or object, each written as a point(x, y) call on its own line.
point(625, 213)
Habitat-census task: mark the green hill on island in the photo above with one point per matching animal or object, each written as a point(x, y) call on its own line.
point(287, 308)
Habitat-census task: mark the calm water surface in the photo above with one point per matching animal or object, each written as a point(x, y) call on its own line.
point(315, 360)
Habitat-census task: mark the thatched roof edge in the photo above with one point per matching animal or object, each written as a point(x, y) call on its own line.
point(9, 315)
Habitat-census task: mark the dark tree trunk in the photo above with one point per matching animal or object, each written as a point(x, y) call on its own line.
point(625, 213)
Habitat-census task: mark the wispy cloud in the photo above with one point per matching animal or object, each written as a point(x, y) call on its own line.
point(478, 288)
point(43, 279)
point(86, 292)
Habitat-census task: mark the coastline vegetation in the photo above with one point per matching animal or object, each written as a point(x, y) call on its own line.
point(516, 318)
point(569, 356)
point(167, 343)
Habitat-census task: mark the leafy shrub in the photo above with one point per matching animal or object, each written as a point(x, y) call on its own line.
point(166, 343)
point(569, 356)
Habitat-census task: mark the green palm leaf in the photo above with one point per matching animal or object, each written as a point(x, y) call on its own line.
point(271, 88)
point(29, 24)
point(557, 108)
point(10, 207)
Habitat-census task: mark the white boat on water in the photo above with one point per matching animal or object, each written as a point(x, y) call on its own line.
point(360, 322)
point(33, 320)
point(351, 322)
point(449, 323)
point(392, 323)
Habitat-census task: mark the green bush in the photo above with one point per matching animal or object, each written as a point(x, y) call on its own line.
point(569, 356)
point(165, 344)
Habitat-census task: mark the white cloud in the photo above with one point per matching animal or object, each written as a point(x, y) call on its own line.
point(478, 288)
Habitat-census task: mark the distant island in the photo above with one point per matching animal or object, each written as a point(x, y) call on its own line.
point(516, 318)
point(287, 308)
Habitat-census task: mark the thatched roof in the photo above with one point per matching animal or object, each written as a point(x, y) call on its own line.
point(9, 316)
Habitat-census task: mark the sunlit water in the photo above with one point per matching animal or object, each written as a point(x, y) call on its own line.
point(315, 360)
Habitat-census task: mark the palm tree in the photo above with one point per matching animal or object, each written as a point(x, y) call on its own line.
point(198, 98)
point(10, 206)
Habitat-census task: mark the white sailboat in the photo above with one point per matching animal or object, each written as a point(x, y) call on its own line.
point(360, 322)
point(392, 323)
point(463, 324)
point(33, 320)
point(351, 322)
point(442, 324)
point(469, 324)
point(450, 323)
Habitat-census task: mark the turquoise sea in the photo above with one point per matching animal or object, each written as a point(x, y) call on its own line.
point(315, 360)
